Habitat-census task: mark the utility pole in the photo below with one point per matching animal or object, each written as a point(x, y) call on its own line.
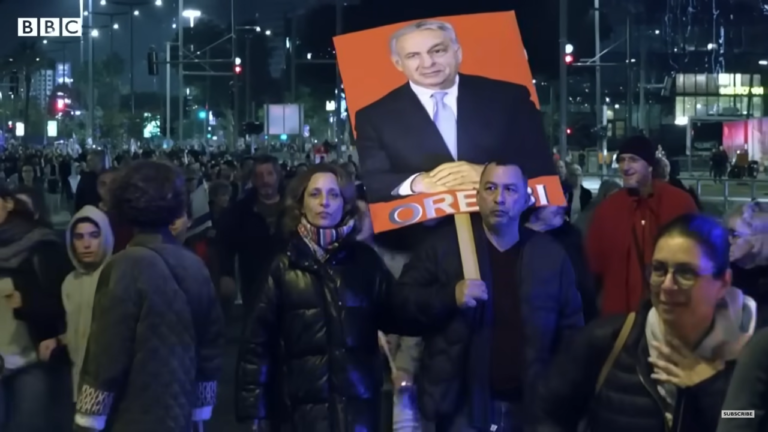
point(563, 80)
point(599, 100)
point(168, 90)
point(236, 91)
point(133, 72)
point(207, 96)
point(294, 37)
point(180, 21)
point(642, 114)
point(249, 115)
point(337, 121)
point(630, 84)
point(91, 90)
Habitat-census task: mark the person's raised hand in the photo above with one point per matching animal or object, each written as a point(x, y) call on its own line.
point(470, 291)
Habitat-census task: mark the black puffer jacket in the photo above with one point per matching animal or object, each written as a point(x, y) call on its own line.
point(628, 400)
point(310, 357)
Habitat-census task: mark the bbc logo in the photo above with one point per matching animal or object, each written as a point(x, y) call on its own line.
point(50, 27)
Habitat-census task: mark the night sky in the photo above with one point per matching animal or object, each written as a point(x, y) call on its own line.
point(537, 21)
point(152, 27)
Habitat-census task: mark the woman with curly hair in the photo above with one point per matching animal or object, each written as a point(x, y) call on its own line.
point(310, 357)
point(155, 347)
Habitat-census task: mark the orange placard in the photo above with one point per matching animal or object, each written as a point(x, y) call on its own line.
point(491, 46)
point(423, 207)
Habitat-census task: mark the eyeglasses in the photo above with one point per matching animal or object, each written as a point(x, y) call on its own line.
point(684, 276)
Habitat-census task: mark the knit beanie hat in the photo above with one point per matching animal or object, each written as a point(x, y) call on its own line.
point(641, 147)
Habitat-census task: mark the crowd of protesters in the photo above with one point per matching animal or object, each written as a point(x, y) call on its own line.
point(624, 310)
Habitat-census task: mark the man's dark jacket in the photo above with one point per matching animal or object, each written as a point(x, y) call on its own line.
point(87, 190)
point(456, 356)
point(628, 400)
point(244, 237)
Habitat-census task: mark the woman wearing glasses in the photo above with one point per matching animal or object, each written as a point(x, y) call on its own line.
point(668, 365)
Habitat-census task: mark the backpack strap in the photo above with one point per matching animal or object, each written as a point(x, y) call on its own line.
point(617, 346)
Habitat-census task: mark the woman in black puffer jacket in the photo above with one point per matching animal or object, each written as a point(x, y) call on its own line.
point(310, 356)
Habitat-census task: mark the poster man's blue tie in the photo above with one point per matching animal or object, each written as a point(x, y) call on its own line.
point(445, 120)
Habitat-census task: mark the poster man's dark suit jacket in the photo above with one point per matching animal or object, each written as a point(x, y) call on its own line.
point(497, 121)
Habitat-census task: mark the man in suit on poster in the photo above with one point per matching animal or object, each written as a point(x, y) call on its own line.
point(435, 132)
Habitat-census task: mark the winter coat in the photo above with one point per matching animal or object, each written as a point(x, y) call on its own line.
point(155, 348)
point(310, 356)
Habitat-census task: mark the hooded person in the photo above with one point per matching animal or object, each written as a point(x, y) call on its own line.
point(90, 243)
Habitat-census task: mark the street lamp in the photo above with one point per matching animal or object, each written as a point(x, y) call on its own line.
point(115, 26)
point(268, 32)
point(132, 7)
point(103, 2)
point(95, 33)
point(191, 14)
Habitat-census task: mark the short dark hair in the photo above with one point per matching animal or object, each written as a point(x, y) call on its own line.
point(265, 159)
point(709, 234)
point(150, 194)
point(501, 163)
point(294, 200)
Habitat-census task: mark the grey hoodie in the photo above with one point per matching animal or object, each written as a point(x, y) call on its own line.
point(79, 289)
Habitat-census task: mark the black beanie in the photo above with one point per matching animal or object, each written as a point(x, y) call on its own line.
point(641, 147)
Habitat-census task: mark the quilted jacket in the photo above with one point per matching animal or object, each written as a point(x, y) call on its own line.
point(155, 349)
point(310, 356)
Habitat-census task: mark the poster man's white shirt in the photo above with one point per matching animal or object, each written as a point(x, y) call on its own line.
point(426, 99)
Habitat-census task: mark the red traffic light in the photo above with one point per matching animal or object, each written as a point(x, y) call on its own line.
point(238, 69)
point(568, 59)
point(60, 105)
point(568, 131)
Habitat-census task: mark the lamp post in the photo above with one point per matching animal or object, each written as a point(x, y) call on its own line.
point(112, 24)
point(191, 15)
point(133, 8)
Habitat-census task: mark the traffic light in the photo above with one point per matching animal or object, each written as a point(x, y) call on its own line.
point(568, 58)
point(60, 105)
point(14, 81)
point(152, 63)
point(568, 131)
point(238, 69)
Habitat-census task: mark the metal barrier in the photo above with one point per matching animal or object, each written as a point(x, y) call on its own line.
point(725, 197)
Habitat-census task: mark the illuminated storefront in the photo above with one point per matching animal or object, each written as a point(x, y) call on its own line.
point(707, 95)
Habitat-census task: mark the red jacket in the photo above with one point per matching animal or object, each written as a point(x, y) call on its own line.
point(613, 254)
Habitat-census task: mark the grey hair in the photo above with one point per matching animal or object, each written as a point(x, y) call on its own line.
point(423, 25)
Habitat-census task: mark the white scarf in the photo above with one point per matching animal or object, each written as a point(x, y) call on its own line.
point(734, 325)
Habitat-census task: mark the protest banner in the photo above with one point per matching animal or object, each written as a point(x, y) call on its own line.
point(470, 69)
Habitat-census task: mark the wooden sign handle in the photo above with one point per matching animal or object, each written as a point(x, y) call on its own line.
point(467, 246)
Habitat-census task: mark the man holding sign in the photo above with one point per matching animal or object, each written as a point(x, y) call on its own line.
point(483, 359)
